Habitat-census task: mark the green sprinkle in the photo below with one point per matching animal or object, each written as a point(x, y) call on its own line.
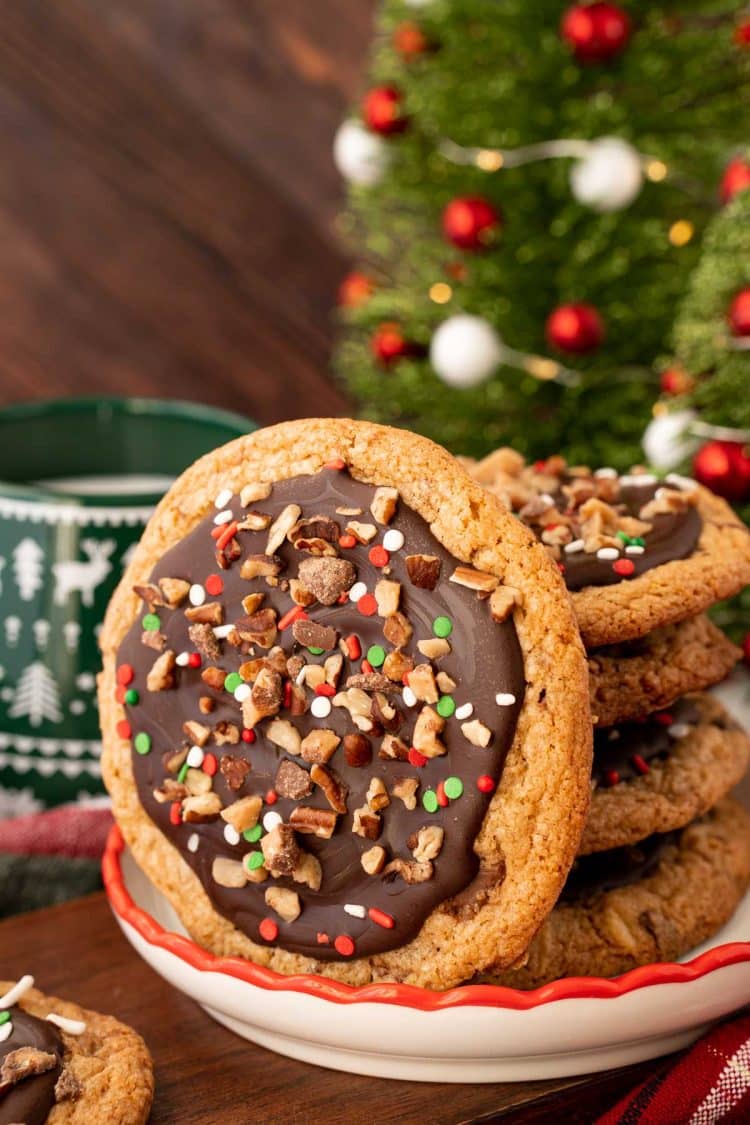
point(315, 650)
point(4, 1017)
point(430, 801)
point(252, 835)
point(625, 538)
point(131, 695)
point(639, 541)
point(142, 742)
point(183, 771)
point(151, 622)
point(376, 655)
point(232, 681)
point(442, 626)
point(453, 787)
point(254, 860)
point(446, 706)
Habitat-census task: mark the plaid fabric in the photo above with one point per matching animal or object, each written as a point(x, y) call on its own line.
point(710, 1083)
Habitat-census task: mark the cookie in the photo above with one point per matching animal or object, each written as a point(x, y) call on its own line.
point(345, 709)
point(633, 678)
point(637, 553)
point(652, 902)
point(663, 771)
point(60, 1063)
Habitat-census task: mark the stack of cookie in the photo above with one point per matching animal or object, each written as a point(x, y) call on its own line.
point(665, 855)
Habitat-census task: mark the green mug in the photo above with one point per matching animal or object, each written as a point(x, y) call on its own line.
point(79, 478)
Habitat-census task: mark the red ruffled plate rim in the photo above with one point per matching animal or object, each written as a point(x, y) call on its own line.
point(402, 995)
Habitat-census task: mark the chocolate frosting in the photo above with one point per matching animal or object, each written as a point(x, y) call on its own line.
point(31, 1100)
point(485, 659)
point(619, 867)
point(616, 749)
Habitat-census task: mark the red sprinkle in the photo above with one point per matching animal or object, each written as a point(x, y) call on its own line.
point(124, 729)
point(125, 674)
point(353, 647)
point(214, 585)
point(367, 667)
point(287, 693)
point(380, 918)
point(335, 463)
point(540, 466)
point(120, 693)
point(664, 718)
point(194, 660)
point(248, 735)
point(415, 758)
point(210, 765)
point(342, 599)
point(292, 615)
point(175, 813)
point(271, 797)
point(323, 939)
point(346, 541)
point(325, 689)
point(624, 567)
point(561, 568)
point(485, 784)
point(640, 764)
point(367, 605)
point(344, 945)
point(442, 797)
point(268, 929)
point(612, 777)
point(378, 556)
point(229, 532)
point(217, 531)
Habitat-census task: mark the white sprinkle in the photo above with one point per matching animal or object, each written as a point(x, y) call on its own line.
point(223, 498)
point(320, 707)
point(354, 909)
point(73, 1027)
point(505, 699)
point(6, 1031)
point(637, 480)
point(393, 540)
point(607, 473)
point(358, 590)
point(242, 692)
point(223, 631)
point(231, 835)
point(197, 594)
point(270, 820)
point(634, 549)
point(607, 553)
point(687, 484)
point(195, 757)
point(409, 697)
point(224, 517)
point(14, 994)
point(574, 547)
point(301, 675)
point(193, 842)
point(547, 499)
point(679, 730)
point(465, 711)
point(182, 659)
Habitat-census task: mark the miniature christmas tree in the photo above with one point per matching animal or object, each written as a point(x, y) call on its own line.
point(37, 696)
point(528, 187)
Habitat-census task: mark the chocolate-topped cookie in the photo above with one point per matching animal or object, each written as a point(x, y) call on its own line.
point(636, 552)
point(341, 702)
point(660, 772)
point(631, 679)
point(654, 901)
point(59, 1062)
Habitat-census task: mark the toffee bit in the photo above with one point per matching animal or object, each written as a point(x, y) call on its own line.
point(292, 781)
point(397, 630)
point(210, 613)
point(261, 566)
point(284, 902)
point(312, 634)
point(387, 596)
point(476, 733)
point(299, 595)
point(175, 590)
point(383, 505)
point(214, 677)
point(371, 681)
point(202, 636)
point(319, 745)
point(234, 770)
point(149, 594)
point(281, 851)
point(251, 603)
point(327, 579)
point(198, 733)
point(423, 570)
point(201, 807)
point(244, 813)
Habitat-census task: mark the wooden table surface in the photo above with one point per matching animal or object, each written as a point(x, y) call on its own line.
point(208, 1076)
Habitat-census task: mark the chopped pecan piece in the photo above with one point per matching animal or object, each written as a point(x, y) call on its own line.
point(244, 813)
point(201, 807)
point(307, 870)
point(261, 566)
point(373, 860)
point(477, 733)
point(434, 647)
point(333, 787)
point(426, 730)
point(405, 788)
point(284, 734)
point(428, 843)
point(319, 548)
point(409, 872)
point(397, 665)
point(313, 822)
point(170, 790)
point(392, 747)
point(173, 761)
point(377, 795)
point(150, 594)
point(384, 713)
point(357, 750)
point(366, 823)
point(315, 527)
point(210, 613)
point(292, 781)
point(258, 628)
point(204, 640)
point(369, 681)
point(152, 638)
point(206, 704)
point(503, 600)
point(474, 579)
point(312, 634)
point(362, 532)
point(24, 1063)
point(197, 782)
point(286, 903)
point(230, 553)
point(422, 683)
point(397, 630)
point(214, 677)
point(254, 491)
point(280, 850)
point(254, 521)
point(313, 675)
point(198, 733)
point(161, 676)
point(423, 571)
point(265, 699)
point(387, 595)
point(226, 734)
point(319, 745)
point(235, 770)
point(252, 603)
point(327, 579)
point(383, 504)
point(666, 501)
point(228, 872)
point(281, 526)
point(299, 594)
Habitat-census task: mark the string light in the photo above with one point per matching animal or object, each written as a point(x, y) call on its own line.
point(440, 293)
point(681, 232)
point(655, 170)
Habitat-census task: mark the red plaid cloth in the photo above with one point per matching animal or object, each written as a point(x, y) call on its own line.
point(710, 1083)
point(78, 831)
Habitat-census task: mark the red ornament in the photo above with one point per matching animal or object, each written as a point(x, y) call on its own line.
point(736, 178)
point(675, 381)
point(724, 467)
point(596, 32)
point(382, 110)
point(575, 328)
point(409, 40)
point(388, 344)
point(739, 313)
point(470, 222)
point(355, 290)
point(742, 34)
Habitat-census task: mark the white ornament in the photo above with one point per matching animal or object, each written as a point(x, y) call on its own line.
point(360, 156)
point(71, 634)
point(666, 441)
point(465, 350)
point(13, 626)
point(83, 577)
point(609, 177)
point(28, 560)
point(41, 630)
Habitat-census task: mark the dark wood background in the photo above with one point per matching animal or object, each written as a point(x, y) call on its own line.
point(168, 197)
